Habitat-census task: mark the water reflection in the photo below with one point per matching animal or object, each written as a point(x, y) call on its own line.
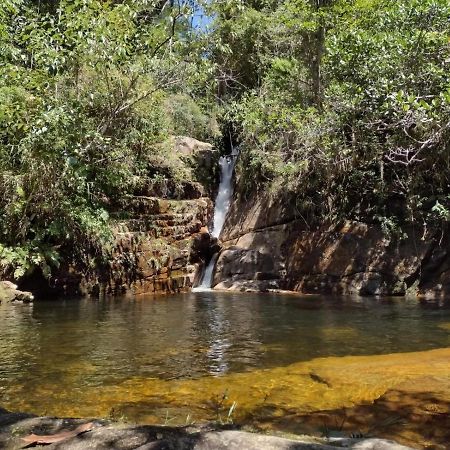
point(82, 343)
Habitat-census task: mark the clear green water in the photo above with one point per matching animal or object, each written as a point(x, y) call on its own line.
point(53, 348)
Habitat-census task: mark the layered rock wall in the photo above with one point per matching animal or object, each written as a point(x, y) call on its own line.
point(158, 250)
point(160, 234)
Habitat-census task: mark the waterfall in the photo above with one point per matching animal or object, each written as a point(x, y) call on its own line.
point(208, 275)
point(224, 193)
point(221, 206)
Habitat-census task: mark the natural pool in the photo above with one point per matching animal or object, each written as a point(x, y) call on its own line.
point(251, 358)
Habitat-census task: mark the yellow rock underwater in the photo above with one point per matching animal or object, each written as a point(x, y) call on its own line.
point(405, 396)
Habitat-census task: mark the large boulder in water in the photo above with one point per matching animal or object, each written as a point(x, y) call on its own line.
point(10, 293)
point(246, 270)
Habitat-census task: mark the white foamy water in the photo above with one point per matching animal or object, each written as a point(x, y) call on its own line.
point(224, 194)
point(222, 204)
point(206, 283)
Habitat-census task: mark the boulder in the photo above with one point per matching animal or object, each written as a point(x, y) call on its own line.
point(190, 146)
point(10, 293)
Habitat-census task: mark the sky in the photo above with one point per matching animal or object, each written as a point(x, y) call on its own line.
point(200, 19)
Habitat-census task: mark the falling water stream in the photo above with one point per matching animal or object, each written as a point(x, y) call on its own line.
point(222, 204)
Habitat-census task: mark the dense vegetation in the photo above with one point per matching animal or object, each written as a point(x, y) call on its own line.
point(89, 91)
point(343, 104)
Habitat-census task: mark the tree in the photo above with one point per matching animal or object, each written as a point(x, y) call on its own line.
point(83, 111)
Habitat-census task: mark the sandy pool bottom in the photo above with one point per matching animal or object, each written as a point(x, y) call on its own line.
point(403, 396)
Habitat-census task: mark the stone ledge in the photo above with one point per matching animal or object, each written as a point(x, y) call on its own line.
point(109, 435)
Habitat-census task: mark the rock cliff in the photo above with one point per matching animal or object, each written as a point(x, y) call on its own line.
point(157, 250)
point(160, 234)
point(268, 245)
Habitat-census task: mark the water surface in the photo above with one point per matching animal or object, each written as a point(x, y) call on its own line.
point(71, 356)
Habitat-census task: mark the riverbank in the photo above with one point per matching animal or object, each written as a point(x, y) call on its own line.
point(101, 434)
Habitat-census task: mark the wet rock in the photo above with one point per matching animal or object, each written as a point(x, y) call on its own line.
point(201, 246)
point(9, 292)
point(242, 285)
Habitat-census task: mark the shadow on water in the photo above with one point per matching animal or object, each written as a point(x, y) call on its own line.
point(419, 419)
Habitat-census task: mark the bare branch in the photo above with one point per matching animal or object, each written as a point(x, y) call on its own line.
point(410, 155)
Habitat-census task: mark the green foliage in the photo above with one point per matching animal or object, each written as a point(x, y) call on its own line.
point(84, 91)
point(347, 107)
point(344, 105)
point(188, 117)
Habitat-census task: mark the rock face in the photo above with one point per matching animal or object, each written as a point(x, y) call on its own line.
point(156, 253)
point(161, 237)
point(267, 247)
point(158, 250)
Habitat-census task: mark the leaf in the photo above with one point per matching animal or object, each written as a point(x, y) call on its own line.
point(35, 439)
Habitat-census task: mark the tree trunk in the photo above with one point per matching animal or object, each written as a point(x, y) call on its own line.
point(318, 40)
